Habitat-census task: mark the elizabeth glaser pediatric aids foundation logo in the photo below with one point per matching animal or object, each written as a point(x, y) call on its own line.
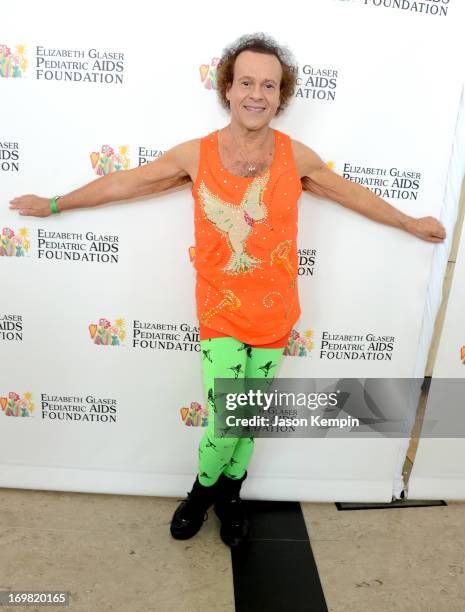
point(107, 160)
point(208, 73)
point(299, 344)
point(13, 64)
point(311, 82)
point(11, 327)
point(105, 333)
point(436, 8)
point(14, 245)
point(195, 415)
point(17, 406)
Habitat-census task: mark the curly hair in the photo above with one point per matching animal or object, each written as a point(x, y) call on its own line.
point(259, 43)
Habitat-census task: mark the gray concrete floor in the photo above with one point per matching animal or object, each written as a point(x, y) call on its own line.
point(115, 552)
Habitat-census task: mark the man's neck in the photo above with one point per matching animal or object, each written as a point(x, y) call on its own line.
point(246, 138)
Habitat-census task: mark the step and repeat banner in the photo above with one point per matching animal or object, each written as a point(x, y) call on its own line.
point(100, 385)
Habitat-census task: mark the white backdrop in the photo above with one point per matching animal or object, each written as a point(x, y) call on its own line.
point(439, 468)
point(390, 105)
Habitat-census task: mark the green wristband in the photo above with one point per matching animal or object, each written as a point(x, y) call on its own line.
point(53, 204)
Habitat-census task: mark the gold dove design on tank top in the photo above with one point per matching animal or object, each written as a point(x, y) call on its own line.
point(236, 222)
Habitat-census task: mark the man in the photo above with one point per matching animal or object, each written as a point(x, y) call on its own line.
point(246, 180)
point(253, 103)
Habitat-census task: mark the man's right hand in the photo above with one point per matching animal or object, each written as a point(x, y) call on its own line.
point(173, 169)
point(31, 205)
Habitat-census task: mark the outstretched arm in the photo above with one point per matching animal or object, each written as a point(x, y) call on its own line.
point(319, 180)
point(172, 169)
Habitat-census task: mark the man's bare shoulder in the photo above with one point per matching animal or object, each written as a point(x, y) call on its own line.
point(306, 159)
point(189, 145)
point(187, 149)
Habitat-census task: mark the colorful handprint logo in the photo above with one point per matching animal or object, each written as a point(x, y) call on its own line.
point(107, 161)
point(299, 345)
point(194, 416)
point(104, 333)
point(14, 245)
point(17, 406)
point(13, 65)
point(208, 73)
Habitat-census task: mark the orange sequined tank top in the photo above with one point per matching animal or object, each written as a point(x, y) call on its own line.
point(246, 247)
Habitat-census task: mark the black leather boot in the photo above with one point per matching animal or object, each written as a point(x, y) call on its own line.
point(229, 508)
point(192, 511)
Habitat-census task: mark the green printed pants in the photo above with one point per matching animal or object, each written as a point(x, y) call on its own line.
point(229, 358)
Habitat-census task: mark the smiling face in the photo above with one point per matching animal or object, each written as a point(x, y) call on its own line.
point(254, 94)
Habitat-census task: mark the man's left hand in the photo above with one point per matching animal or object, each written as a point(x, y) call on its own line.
point(427, 228)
